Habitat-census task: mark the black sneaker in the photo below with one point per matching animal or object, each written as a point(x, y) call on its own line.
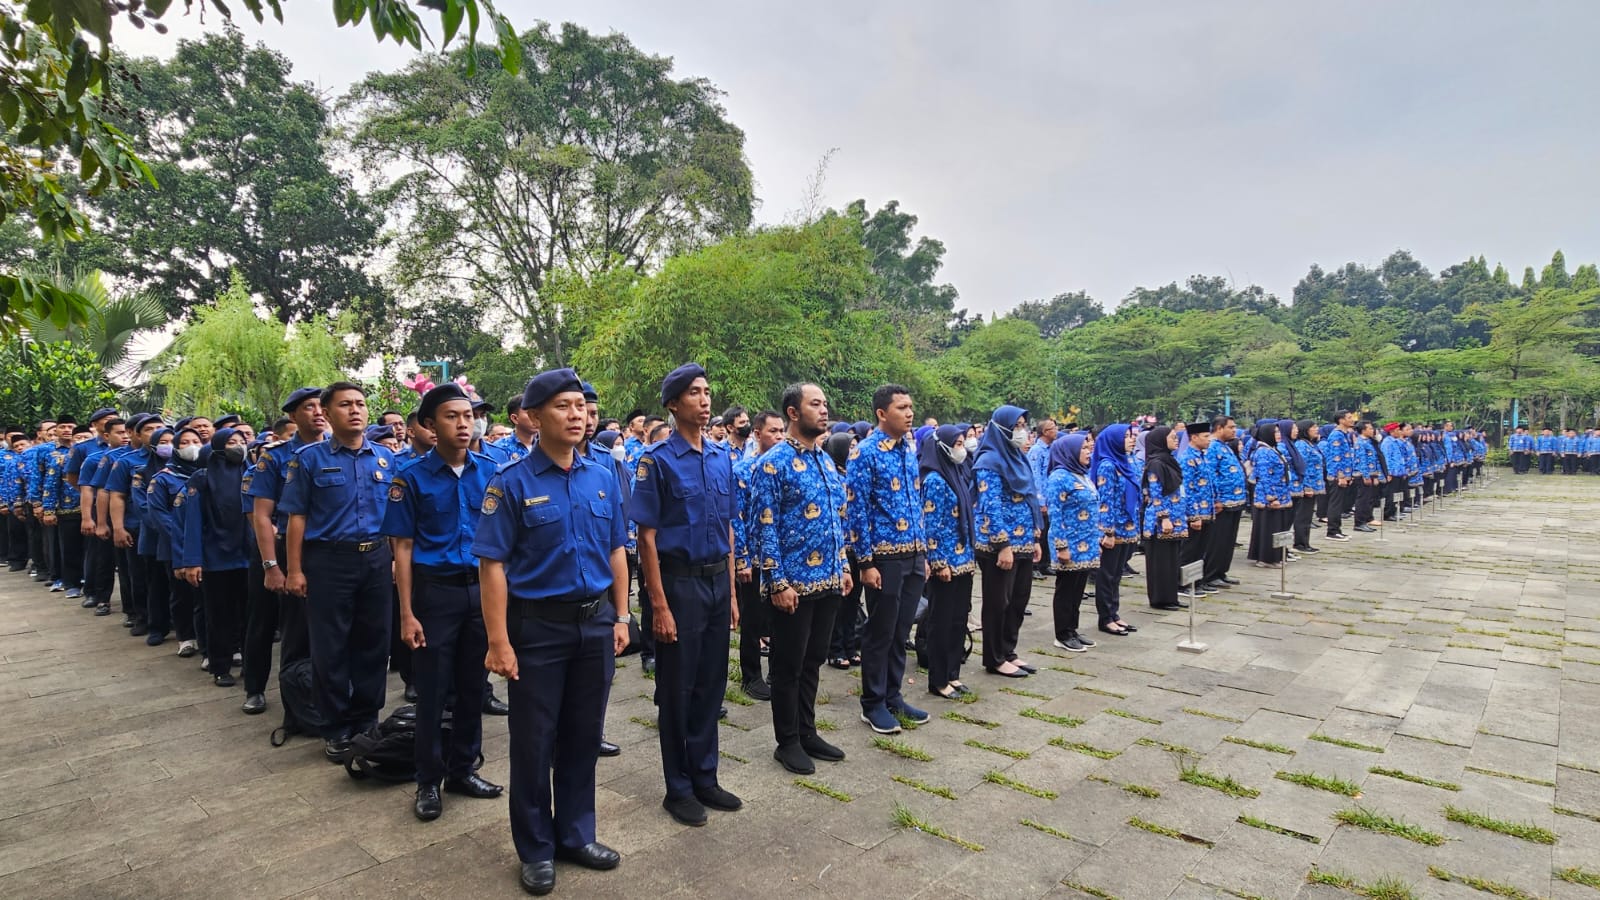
point(1083, 640)
point(1073, 644)
point(793, 758)
point(757, 690)
point(1341, 538)
point(335, 749)
point(685, 810)
point(718, 798)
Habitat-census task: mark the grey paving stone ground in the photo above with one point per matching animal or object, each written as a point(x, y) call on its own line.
point(1465, 651)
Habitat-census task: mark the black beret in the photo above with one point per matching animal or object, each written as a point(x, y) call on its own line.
point(379, 432)
point(678, 381)
point(432, 400)
point(139, 420)
point(66, 419)
point(545, 385)
point(101, 413)
point(227, 421)
point(301, 396)
point(480, 404)
point(589, 394)
point(1198, 428)
point(182, 423)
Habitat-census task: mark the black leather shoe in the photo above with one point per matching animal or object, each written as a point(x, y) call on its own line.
point(103, 609)
point(817, 748)
point(1031, 670)
point(609, 749)
point(757, 690)
point(254, 704)
point(410, 693)
point(1170, 606)
point(718, 798)
point(685, 811)
point(139, 629)
point(428, 805)
point(473, 785)
point(793, 758)
point(648, 665)
point(996, 671)
point(1226, 580)
point(225, 680)
point(335, 750)
point(89, 603)
point(593, 855)
point(494, 706)
point(539, 878)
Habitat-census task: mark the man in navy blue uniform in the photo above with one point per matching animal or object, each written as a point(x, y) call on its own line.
point(431, 519)
point(683, 501)
point(334, 493)
point(554, 579)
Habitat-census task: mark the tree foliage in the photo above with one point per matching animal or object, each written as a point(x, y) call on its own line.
point(41, 380)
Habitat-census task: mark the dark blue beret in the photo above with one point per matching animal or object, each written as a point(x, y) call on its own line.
point(226, 421)
point(182, 423)
point(139, 421)
point(432, 400)
point(589, 394)
point(101, 413)
point(299, 397)
point(838, 427)
point(379, 432)
point(481, 403)
point(545, 385)
point(678, 381)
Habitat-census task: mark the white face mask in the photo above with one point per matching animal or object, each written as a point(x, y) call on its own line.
point(189, 453)
point(618, 452)
point(958, 453)
point(1019, 437)
point(970, 445)
point(480, 427)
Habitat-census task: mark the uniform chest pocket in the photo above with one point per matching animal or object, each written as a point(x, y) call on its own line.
point(328, 479)
point(544, 524)
point(602, 509)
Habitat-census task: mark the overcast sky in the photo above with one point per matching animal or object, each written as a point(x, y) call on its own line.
point(1059, 146)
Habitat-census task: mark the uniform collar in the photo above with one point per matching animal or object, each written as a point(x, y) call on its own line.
point(542, 462)
point(878, 434)
point(435, 463)
point(679, 446)
point(336, 447)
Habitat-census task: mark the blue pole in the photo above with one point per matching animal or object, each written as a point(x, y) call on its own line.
point(1514, 415)
point(1227, 400)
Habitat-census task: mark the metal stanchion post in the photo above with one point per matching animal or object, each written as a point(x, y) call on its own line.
point(1191, 575)
point(1283, 540)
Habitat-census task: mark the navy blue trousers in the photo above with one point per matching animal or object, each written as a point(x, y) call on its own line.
point(691, 677)
point(890, 612)
point(347, 617)
point(558, 710)
point(450, 663)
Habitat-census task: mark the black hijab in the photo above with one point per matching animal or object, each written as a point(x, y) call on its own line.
point(1159, 461)
point(934, 456)
point(223, 479)
point(838, 447)
point(1290, 451)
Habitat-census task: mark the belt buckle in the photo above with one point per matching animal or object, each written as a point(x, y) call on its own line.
point(366, 546)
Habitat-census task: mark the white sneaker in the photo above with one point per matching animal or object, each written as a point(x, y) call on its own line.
point(238, 658)
point(205, 663)
point(188, 648)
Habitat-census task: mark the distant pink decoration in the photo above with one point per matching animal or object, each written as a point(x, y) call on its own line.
point(466, 385)
point(420, 383)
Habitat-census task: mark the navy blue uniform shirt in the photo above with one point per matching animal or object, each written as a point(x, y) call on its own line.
point(341, 492)
point(553, 528)
point(687, 496)
point(438, 510)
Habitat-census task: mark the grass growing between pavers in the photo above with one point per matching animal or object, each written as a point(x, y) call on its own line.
point(1259, 745)
point(906, 722)
point(1089, 889)
point(934, 789)
point(1371, 821)
point(1576, 875)
point(1415, 779)
point(1575, 814)
point(1211, 715)
point(733, 757)
point(1223, 783)
point(1388, 888)
point(1164, 831)
point(1040, 826)
point(1019, 692)
point(1097, 691)
point(1033, 712)
point(1341, 742)
point(737, 697)
point(1497, 888)
point(1509, 776)
point(1264, 825)
point(901, 749)
point(1122, 713)
point(641, 720)
point(1138, 790)
point(1170, 748)
point(1085, 749)
point(996, 748)
point(995, 777)
point(824, 790)
point(969, 720)
point(827, 724)
point(905, 818)
point(1524, 830)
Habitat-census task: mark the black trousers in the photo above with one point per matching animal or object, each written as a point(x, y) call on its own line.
point(1302, 512)
point(1336, 500)
point(691, 678)
point(1194, 546)
point(347, 615)
point(1519, 462)
point(399, 653)
point(845, 641)
point(1067, 604)
point(41, 563)
point(1161, 571)
point(1263, 524)
point(1366, 496)
point(16, 528)
point(1547, 463)
point(70, 541)
point(184, 601)
point(450, 663)
point(1108, 582)
point(52, 551)
point(1569, 464)
point(158, 594)
point(890, 613)
point(225, 592)
point(1219, 548)
point(100, 558)
point(1394, 495)
point(944, 626)
point(799, 645)
point(130, 569)
point(1005, 596)
point(755, 616)
point(261, 621)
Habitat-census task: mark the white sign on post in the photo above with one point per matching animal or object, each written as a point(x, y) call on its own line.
point(1282, 540)
point(1190, 575)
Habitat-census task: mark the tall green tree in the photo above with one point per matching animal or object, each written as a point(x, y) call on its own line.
point(114, 322)
point(1060, 314)
point(593, 157)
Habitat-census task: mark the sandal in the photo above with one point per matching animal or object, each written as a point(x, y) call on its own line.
point(1112, 629)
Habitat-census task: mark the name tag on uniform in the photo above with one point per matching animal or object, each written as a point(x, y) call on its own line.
point(535, 501)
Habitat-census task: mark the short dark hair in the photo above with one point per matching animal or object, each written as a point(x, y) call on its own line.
point(114, 422)
point(650, 432)
point(883, 396)
point(634, 414)
point(281, 423)
point(1220, 422)
point(1341, 414)
point(1039, 425)
point(389, 412)
point(650, 421)
point(513, 406)
point(759, 420)
point(1362, 425)
point(609, 424)
point(733, 412)
point(793, 396)
point(339, 387)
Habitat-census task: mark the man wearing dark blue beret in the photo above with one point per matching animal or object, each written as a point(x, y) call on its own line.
point(683, 502)
point(554, 583)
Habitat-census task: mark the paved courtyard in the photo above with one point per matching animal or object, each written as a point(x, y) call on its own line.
point(1449, 673)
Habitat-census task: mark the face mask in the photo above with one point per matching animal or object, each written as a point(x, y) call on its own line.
point(234, 454)
point(958, 453)
point(189, 453)
point(618, 452)
point(745, 431)
point(480, 427)
point(1019, 438)
point(164, 451)
point(970, 445)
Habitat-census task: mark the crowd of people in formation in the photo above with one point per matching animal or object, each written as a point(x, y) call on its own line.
point(421, 544)
point(1570, 451)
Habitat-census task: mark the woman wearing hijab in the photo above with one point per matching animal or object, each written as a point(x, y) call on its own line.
point(1288, 432)
point(1164, 518)
point(158, 588)
point(845, 649)
point(215, 558)
point(1271, 504)
point(1116, 477)
point(1075, 534)
point(1313, 483)
point(166, 494)
point(1007, 517)
point(947, 519)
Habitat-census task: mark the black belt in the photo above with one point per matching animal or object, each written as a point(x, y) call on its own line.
point(685, 570)
point(348, 546)
point(567, 610)
point(895, 557)
point(461, 578)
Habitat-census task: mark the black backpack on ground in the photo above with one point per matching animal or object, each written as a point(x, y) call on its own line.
point(387, 753)
point(299, 698)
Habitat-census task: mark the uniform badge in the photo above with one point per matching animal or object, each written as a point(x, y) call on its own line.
point(397, 492)
point(383, 463)
point(768, 468)
point(1083, 547)
point(642, 473)
point(894, 483)
point(901, 525)
point(815, 559)
point(813, 511)
point(1083, 515)
point(798, 464)
point(886, 445)
point(490, 504)
point(602, 495)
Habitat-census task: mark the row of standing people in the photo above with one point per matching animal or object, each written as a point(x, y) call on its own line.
point(1570, 451)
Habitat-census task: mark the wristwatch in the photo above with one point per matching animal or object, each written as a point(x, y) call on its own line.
point(624, 619)
point(269, 564)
